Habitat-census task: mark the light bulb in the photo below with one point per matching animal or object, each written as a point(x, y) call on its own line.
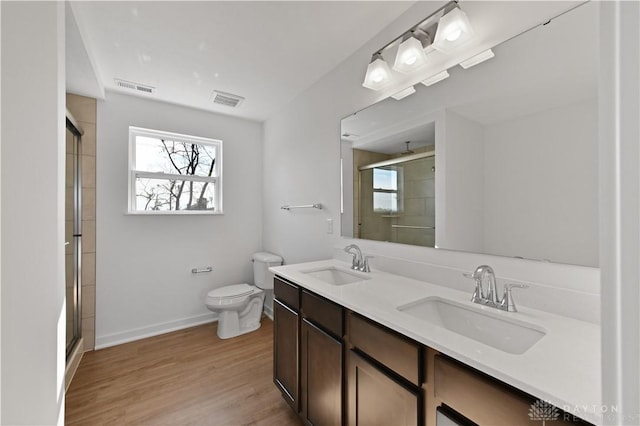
point(378, 73)
point(410, 56)
point(377, 76)
point(454, 34)
point(453, 31)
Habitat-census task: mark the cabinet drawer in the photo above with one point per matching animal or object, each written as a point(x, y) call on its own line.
point(476, 396)
point(394, 351)
point(322, 312)
point(287, 293)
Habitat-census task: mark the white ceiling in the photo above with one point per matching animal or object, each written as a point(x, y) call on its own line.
point(268, 52)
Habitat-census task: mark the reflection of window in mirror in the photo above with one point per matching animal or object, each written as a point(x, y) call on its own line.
point(385, 189)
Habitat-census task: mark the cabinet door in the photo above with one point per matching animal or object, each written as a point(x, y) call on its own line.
point(285, 353)
point(375, 398)
point(321, 369)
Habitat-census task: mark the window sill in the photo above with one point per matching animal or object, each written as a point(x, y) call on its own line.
point(174, 213)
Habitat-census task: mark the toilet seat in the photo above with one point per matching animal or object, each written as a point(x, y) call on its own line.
point(231, 291)
point(231, 296)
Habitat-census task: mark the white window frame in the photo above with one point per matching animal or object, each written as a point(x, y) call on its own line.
point(215, 178)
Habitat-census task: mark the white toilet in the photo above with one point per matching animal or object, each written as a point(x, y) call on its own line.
point(239, 306)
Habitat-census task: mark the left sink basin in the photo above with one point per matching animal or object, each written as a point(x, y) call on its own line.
point(334, 276)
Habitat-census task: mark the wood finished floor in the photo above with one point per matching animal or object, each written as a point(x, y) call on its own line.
point(188, 377)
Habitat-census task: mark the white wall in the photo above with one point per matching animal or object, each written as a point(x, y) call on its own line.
point(33, 117)
point(459, 183)
point(144, 284)
point(555, 159)
point(619, 155)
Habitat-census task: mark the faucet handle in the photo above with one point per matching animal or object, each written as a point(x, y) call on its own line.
point(354, 261)
point(365, 264)
point(507, 303)
point(478, 294)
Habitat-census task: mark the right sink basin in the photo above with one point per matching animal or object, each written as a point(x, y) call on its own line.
point(493, 329)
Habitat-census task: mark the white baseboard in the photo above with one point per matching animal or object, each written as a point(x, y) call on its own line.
point(268, 311)
point(152, 330)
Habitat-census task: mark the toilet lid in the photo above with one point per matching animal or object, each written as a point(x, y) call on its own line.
point(235, 290)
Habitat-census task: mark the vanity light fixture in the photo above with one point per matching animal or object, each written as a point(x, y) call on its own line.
point(378, 73)
point(411, 52)
point(453, 31)
point(444, 30)
point(404, 93)
point(435, 78)
point(479, 58)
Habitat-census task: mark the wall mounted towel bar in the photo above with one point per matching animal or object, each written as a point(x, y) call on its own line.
point(201, 270)
point(413, 227)
point(307, 206)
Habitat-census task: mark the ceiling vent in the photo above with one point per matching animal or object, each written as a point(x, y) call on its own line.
point(227, 99)
point(129, 85)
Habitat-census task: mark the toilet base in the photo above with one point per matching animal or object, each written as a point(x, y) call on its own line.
point(226, 332)
point(232, 323)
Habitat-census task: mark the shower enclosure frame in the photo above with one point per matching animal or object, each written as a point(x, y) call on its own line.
point(77, 132)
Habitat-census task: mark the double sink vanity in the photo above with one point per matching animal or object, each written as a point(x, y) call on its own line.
point(354, 347)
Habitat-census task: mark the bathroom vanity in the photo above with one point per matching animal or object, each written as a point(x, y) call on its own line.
point(352, 348)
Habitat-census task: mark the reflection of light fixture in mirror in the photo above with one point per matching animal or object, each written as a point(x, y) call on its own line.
point(404, 93)
point(479, 58)
point(378, 73)
point(435, 78)
point(453, 31)
point(411, 52)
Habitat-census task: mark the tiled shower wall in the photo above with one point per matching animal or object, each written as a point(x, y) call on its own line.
point(84, 111)
point(418, 201)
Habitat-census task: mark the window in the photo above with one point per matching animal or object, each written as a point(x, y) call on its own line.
point(174, 174)
point(385, 189)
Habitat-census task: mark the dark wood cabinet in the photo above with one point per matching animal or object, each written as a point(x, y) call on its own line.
point(336, 367)
point(321, 376)
point(389, 348)
point(484, 400)
point(384, 375)
point(308, 353)
point(377, 398)
point(285, 352)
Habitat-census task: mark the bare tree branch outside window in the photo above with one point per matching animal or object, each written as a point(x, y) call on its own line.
point(159, 156)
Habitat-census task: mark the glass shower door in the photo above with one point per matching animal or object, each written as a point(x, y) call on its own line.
point(73, 235)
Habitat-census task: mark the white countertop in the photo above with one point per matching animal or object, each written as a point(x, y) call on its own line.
point(562, 368)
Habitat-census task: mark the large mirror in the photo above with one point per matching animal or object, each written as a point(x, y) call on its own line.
point(499, 159)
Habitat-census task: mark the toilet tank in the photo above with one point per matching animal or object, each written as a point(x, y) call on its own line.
point(261, 263)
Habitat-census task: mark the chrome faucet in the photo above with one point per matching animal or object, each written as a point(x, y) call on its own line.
point(488, 294)
point(358, 263)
